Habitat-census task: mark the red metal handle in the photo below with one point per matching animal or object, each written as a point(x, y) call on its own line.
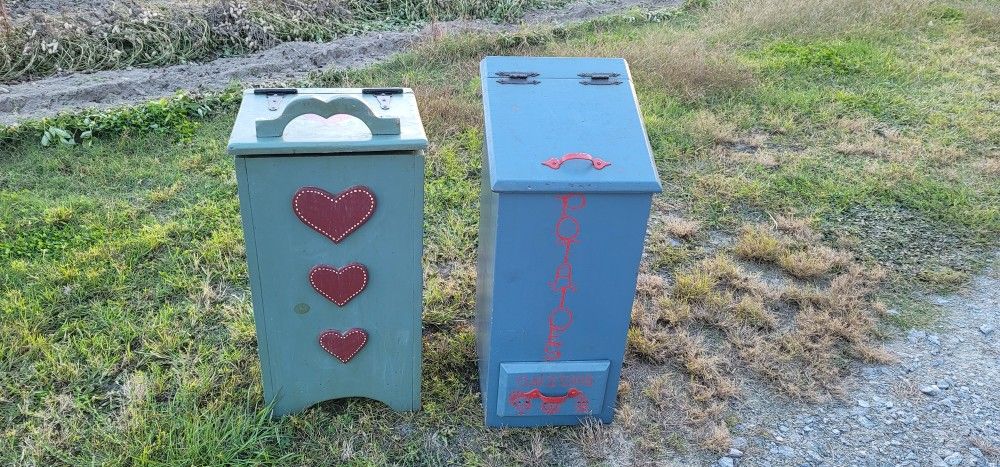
point(521, 401)
point(537, 394)
point(557, 162)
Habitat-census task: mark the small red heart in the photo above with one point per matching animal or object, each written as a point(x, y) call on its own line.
point(343, 346)
point(334, 216)
point(339, 285)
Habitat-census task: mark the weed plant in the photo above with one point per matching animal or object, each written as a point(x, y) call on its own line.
point(131, 35)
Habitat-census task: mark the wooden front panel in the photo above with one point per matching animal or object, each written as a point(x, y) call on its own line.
point(562, 282)
point(365, 277)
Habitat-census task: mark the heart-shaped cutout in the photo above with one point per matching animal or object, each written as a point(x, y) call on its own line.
point(339, 285)
point(334, 216)
point(343, 346)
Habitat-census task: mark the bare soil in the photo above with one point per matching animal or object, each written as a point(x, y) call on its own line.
point(283, 63)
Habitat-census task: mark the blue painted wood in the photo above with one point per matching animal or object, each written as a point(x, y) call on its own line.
point(521, 259)
point(311, 134)
point(553, 67)
point(529, 124)
point(290, 315)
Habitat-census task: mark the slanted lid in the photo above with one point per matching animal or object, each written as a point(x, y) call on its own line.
point(317, 120)
point(564, 125)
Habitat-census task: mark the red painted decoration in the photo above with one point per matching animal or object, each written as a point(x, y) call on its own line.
point(334, 216)
point(521, 401)
point(343, 346)
point(339, 285)
point(567, 231)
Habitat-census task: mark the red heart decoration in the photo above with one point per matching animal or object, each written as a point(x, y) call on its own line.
point(343, 346)
point(334, 216)
point(339, 285)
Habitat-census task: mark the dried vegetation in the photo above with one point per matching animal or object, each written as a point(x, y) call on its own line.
point(786, 310)
point(129, 33)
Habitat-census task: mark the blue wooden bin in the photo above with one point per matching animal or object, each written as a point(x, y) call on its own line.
point(331, 195)
point(564, 206)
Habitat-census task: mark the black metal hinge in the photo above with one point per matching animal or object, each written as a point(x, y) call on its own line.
point(517, 77)
point(382, 95)
point(600, 78)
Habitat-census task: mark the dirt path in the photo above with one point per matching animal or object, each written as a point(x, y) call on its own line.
point(940, 405)
point(284, 62)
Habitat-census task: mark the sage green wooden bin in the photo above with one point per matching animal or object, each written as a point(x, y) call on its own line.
point(331, 194)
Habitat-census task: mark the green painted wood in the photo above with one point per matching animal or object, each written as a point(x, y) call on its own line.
point(352, 106)
point(246, 214)
point(333, 139)
point(281, 250)
point(313, 134)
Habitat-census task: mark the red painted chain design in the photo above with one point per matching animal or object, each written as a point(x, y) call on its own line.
point(567, 231)
point(521, 401)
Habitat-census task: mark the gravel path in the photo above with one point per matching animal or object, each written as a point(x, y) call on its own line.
point(939, 406)
point(284, 62)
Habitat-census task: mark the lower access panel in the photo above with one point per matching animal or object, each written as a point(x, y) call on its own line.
point(552, 389)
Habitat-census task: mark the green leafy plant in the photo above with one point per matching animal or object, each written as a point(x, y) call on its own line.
point(54, 135)
point(177, 116)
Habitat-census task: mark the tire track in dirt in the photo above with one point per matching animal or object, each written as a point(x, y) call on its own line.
point(285, 62)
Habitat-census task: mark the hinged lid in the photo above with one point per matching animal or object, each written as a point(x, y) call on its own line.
point(317, 120)
point(576, 128)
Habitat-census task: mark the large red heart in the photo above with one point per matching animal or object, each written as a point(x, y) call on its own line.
point(339, 285)
point(334, 216)
point(343, 346)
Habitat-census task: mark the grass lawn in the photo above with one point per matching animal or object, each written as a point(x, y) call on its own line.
point(825, 164)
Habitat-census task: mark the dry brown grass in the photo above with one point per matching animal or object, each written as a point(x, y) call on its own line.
point(868, 147)
point(5, 24)
point(718, 320)
point(672, 311)
point(991, 450)
point(693, 286)
point(445, 112)
point(688, 66)
point(663, 252)
point(650, 285)
point(751, 309)
point(813, 261)
point(684, 65)
point(758, 243)
point(707, 130)
point(983, 18)
point(811, 18)
point(797, 228)
point(856, 125)
point(681, 228)
point(593, 437)
point(537, 452)
point(989, 166)
point(888, 144)
point(942, 155)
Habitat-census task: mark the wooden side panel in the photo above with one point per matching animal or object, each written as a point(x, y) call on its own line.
point(485, 262)
point(291, 314)
point(256, 289)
